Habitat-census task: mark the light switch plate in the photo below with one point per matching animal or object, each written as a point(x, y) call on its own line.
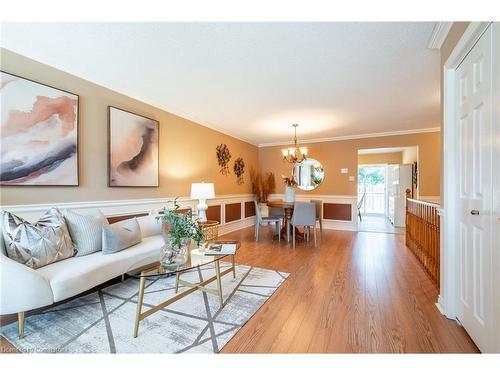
point(344, 170)
point(351, 178)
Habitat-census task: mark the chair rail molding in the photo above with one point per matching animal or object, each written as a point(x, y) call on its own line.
point(448, 297)
point(110, 208)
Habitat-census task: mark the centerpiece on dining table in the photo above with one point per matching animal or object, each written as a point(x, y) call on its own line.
point(290, 185)
point(180, 228)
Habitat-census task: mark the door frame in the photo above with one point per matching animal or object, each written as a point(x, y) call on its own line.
point(386, 195)
point(449, 268)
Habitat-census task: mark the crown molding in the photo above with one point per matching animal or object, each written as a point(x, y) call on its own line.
point(356, 136)
point(439, 34)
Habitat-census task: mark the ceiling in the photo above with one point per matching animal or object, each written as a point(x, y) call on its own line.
point(253, 80)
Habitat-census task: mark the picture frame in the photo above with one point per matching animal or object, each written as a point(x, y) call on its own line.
point(133, 152)
point(40, 148)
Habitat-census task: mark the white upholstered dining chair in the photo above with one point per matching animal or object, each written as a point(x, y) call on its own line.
point(259, 220)
point(304, 215)
point(319, 214)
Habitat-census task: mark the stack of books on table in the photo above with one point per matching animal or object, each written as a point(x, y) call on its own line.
point(222, 248)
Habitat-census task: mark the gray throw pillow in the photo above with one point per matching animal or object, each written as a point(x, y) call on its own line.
point(36, 245)
point(119, 236)
point(86, 231)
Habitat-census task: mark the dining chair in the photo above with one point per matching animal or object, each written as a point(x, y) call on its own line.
point(319, 214)
point(304, 215)
point(276, 212)
point(259, 220)
point(360, 204)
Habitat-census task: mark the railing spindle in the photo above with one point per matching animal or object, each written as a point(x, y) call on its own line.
point(422, 234)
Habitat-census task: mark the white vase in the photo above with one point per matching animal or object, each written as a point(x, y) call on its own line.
point(289, 194)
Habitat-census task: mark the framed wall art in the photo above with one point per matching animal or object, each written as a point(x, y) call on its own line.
point(133, 147)
point(38, 133)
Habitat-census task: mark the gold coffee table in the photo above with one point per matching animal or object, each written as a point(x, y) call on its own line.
point(157, 270)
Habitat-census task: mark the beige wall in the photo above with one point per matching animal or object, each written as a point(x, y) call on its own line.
point(187, 149)
point(344, 154)
point(386, 158)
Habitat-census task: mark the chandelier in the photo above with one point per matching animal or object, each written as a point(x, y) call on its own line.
point(294, 154)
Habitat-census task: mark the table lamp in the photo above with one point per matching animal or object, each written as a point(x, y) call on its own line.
point(202, 191)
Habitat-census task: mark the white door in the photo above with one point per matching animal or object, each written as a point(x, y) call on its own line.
point(475, 147)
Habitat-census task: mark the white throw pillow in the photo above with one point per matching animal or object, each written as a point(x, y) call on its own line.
point(120, 235)
point(149, 225)
point(86, 231)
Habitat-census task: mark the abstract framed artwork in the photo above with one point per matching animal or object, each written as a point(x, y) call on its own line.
point(38, 133)
point(133, 149)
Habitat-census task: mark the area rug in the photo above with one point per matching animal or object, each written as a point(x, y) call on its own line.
point(103, 322)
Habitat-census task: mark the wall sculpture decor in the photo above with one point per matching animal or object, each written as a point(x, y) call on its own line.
point(223, 158)
point(133, 149)
point(239, 170)
point(38, 133)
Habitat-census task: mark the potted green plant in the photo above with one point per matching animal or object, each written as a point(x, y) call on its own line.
point(179, 229)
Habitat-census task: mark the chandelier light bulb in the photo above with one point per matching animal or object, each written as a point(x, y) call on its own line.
point(295, 154)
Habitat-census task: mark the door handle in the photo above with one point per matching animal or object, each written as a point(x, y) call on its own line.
point(474, 212)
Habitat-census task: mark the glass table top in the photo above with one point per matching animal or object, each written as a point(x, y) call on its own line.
point(194, 258)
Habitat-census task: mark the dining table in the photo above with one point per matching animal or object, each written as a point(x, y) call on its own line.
point(287, 208)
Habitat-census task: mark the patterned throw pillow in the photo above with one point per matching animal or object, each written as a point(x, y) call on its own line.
point(36, 245)
point(86, 231)
point(119, 236)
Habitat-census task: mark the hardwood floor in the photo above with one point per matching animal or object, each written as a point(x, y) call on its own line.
point(357, 292)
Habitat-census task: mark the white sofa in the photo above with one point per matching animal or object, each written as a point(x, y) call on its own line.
point(23, 288)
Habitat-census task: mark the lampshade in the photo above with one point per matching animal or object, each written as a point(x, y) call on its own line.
point(202, 190)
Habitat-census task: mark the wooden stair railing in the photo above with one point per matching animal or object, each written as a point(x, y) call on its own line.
point(422, 234)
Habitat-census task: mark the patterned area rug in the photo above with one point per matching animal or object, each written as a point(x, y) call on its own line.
point(103, 322)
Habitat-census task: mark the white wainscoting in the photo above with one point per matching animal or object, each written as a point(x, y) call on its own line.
point(351, 225)
point(32, 212)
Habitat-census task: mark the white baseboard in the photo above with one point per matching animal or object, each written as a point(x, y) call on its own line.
point(236, 225)
point(340, 225)
point(440, 305)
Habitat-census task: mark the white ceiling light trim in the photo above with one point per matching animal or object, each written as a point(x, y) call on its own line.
point(439, 34)
point(355, 136)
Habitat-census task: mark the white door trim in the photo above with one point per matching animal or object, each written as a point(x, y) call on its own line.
point(448, 298)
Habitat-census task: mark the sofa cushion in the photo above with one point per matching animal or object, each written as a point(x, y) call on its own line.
point(36, 245)
point(86, 231)
point(149, 225)
point(121, 235)
point(79, 274)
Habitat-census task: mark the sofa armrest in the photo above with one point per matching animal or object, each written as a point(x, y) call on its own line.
point(21, 288)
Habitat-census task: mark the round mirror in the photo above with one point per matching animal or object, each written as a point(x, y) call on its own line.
point(309, 174)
